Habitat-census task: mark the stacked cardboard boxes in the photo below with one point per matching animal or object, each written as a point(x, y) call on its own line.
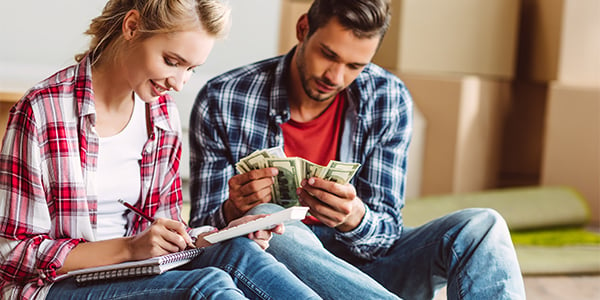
point(458, 60)
point(559, 69)
point(571, 153)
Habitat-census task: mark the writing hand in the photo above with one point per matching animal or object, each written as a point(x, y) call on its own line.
point(247, 191)
point(162, 237)
point(334, 204)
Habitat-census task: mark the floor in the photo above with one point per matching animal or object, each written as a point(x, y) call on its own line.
point(557, 288)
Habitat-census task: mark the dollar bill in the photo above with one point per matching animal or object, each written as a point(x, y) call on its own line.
point(338, 167)
point(286, 182)
point(292, 170)
point(338, 176)
point(311, 169)
point(275, 152)
point(257, 159)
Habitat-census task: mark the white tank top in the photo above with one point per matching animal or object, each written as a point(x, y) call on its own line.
point(118, 175)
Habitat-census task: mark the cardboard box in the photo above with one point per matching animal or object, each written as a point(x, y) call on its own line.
point(416, 155)
point(7, 100)
point(523, 135)
point(291, 10)
point(560, 41)
point(464, 116)
point(470, 37)
point(571, 154)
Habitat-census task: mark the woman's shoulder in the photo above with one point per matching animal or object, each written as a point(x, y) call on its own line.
point(56, 86)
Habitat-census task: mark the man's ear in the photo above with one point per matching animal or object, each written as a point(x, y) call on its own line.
point(302, 27)
point(130, 24)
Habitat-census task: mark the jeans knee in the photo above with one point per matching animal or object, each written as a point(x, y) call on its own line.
point(264, 208)
point(489, 217)
point(485, 223)
point(212, 282)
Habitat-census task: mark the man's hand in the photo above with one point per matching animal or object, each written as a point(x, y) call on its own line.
point(334, 204)
point(247, 191)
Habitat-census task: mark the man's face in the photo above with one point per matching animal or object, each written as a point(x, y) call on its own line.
point(330, 59)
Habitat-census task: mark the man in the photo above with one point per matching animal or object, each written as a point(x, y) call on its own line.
point(324, 101)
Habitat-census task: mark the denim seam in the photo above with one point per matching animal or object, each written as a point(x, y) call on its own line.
point(150, 291)
point(458, 278)
point(246, 281)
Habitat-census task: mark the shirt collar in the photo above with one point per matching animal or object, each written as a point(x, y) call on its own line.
point(279, 108)
point(83, 89)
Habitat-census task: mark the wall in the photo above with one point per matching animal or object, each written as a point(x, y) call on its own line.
point(40, 37)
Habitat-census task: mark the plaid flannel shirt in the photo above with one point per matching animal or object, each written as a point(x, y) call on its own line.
point(47, 178)
point(241, 111)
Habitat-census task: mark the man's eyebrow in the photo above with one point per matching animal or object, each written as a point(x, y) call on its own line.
point(335, 55)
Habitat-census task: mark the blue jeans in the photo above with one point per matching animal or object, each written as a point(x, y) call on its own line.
point(235, 269)
point(470, 251)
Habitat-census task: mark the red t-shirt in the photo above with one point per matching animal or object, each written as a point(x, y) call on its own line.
point(316, 140)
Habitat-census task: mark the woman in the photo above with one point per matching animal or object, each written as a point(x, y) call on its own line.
point(105, 129)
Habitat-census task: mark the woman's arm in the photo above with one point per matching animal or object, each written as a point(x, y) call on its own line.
point(162, 237)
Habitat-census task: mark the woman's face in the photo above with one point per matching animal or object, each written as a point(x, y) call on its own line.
point(165, 61)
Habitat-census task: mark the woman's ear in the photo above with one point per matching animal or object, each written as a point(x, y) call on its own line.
point(130, 24)
point(302, 28)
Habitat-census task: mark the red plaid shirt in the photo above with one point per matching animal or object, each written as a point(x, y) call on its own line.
point(48, 166)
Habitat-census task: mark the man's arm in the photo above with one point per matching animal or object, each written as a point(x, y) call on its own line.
point(210, 168)
point(247, 191)
point(380, 143)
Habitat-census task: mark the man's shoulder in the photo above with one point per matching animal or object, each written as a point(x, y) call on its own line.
point(247, 73)
point(377, 82)
point(375, 73)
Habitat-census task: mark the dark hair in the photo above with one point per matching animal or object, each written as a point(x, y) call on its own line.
point(366, 18)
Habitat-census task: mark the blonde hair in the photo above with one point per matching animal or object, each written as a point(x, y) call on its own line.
point(156, 16)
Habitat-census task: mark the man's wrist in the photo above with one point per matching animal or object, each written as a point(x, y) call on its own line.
point(230, 212)
point(355, 218)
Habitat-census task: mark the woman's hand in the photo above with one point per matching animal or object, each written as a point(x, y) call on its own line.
point(261, 237)
point(162, 237)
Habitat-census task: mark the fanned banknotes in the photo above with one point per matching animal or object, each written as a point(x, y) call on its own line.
point(292, 170)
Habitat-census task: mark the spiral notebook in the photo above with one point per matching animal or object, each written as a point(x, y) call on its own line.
point(151, 266)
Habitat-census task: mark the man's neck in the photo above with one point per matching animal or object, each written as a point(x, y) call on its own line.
point(307, 110)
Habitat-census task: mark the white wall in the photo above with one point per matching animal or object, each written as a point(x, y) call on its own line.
point(37, 38)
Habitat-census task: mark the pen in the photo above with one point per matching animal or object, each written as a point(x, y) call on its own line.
point(145, 216)
point(137, 211)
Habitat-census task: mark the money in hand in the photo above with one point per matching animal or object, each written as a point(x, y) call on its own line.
point(292, 170)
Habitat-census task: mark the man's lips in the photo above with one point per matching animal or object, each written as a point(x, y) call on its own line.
point(323, 87)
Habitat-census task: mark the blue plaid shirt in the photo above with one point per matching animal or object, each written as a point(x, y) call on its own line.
point(242, 110)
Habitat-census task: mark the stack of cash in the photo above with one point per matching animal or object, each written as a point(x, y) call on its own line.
point(292, 170)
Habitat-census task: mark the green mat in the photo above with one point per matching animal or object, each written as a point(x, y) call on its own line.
point(556, 237)
point(558, 251)
point(522, 208)
point(546, 223)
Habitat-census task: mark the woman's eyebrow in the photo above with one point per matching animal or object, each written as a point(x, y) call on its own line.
point(178, 57)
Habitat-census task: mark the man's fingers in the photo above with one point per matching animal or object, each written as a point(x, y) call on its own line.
point(242, 179)
point(346, 191)
point(258, 188)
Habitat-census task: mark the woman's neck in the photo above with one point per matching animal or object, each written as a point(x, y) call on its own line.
point(113, 99)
